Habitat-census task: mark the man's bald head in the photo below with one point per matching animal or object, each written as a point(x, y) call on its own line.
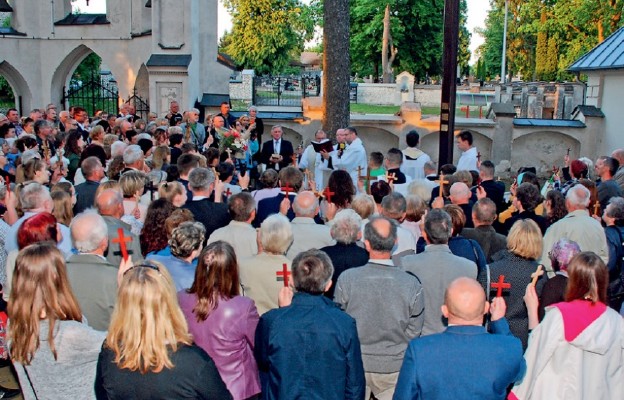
point(305, 205)
point(460, 193)
point(380, 235)
point(110, 203)
point(464, 302)
point(618, 154)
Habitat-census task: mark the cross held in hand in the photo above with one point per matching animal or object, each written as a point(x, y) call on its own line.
point(535, 275)
point(441, 182)
point(287, 189)
point(294, 160)
point(328, 194)
point(121, 239)
point(390, 178)
point(500, 285)
point(367, 177)
point(478, 156)
point(597, 208)
point(283, 275)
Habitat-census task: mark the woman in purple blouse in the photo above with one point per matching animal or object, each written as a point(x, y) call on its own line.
point(223, 322)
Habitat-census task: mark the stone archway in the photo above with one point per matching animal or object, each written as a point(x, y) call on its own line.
point(20, 87)
point(290, 134)
point(377, 139)
point(538, 149)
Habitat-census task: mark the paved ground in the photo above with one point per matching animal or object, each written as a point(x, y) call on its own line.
point(9, 380)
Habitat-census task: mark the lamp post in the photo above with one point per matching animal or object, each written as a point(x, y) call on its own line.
point(504, 55)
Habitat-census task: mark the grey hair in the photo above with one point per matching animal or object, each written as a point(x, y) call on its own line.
point(615, 209)
point(145, 135)
point(438, 226)
point(172, 130)
point(132, 154)
point(578, 196)
point(376, 240)
point(97, 233)
point(117, 148)
point(200, 179)
point(253, 108)
point(311, 271)
point(305, 211)
point(33, 196)
point(346, 226)
point(276, 234)
point(186, 238)
point(394, 205)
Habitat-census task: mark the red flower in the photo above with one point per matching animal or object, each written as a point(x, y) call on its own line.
point(236, 134)
point(226, 134)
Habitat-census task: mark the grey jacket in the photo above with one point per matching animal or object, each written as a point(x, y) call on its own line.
point(387, 305)
point(72, 375)
point(436, 268)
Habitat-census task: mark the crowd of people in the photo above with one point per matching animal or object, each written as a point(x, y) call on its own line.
point(169, 258)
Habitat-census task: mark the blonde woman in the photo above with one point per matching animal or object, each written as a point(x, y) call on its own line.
point(517, 263)
point(132, 185)
point(54, 352)
point(174, 192)
point(149, 352)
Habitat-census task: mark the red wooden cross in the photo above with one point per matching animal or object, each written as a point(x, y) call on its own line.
point(287, 189)
point(121, 239)
point(328, 194)
point(283, 274)
point(500, 285)
point(228, 192)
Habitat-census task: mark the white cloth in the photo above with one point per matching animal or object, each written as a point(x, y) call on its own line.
point(414, 168)
point(311, 160)
point(589, 367)
point(468, 160)
point(405, 242)
point(354, 156)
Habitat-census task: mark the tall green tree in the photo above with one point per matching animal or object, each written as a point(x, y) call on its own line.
point(416, 27)
point(266, 34)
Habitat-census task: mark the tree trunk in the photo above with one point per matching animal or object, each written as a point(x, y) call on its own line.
point(388, 51)
point(336, 66)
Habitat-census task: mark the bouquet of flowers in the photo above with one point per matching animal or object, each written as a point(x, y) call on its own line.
point(233, 142)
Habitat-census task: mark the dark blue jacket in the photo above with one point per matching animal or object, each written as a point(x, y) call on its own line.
point(463, 362)
point(309, 350)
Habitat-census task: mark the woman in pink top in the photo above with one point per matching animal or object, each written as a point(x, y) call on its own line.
point(223, 322)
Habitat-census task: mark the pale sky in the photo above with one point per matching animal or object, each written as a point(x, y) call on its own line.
point(477, 11)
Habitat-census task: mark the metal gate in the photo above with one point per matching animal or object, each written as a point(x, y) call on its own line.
point(140, 105)
point(284, 90)
point(93, 95)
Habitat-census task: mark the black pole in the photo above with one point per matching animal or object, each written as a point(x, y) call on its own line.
point(447, 111)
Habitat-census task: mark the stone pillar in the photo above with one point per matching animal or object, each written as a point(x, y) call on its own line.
point(559, 102)
point(502, 145)
point(170, 20)
point(404, 88)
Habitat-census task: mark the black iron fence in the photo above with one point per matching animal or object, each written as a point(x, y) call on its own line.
point(284, 90)
point(140, 105)
point(93, 94)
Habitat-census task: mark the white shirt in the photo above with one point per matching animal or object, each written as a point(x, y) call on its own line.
point(414, 167)
point(354, 156)
point(468, 160)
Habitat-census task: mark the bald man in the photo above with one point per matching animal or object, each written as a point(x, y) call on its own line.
point(109, 204)
point(387, 305)
point(92, 277)
point(464, 361)
point(307, 233)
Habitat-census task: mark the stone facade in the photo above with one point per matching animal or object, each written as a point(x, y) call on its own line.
point(39, 61)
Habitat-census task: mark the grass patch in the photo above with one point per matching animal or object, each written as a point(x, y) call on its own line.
point(373, 109)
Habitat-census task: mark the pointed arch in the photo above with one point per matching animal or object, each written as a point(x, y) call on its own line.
point(18, 84)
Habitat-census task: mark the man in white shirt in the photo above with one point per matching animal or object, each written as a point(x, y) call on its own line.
point(469, 158)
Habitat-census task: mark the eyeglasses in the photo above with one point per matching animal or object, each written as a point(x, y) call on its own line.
point(150, 266)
